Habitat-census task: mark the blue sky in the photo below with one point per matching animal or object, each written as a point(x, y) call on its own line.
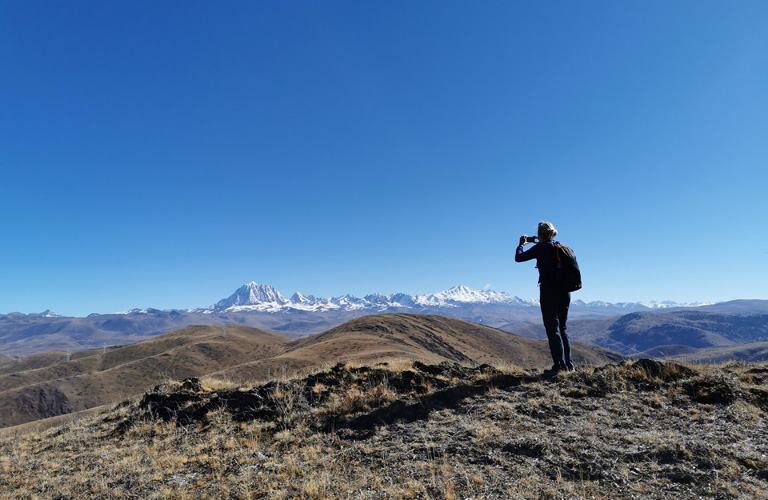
point(161, 154)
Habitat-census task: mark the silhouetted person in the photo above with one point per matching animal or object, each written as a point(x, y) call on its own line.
point(554, 301)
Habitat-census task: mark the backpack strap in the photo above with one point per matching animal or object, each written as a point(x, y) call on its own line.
point(556, 246)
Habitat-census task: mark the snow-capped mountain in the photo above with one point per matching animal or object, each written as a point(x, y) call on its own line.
point(253, 296)
point(264, 307)
point(265, 298)
point(625, 307)
point(465, 295)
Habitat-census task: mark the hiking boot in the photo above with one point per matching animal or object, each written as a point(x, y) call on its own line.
point(555, 369)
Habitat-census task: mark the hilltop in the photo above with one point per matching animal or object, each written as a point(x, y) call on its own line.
point(46, 385)
point(427, 338)
point(643, 429)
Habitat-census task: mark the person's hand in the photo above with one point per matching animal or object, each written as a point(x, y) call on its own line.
point(523, 241)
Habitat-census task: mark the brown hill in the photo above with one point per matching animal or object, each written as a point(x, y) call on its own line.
point(5, 359)
point(749, 353)
point(637, 332)
point(46, 385)
point(426, 338)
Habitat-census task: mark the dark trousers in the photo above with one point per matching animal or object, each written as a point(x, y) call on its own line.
point(554, 312)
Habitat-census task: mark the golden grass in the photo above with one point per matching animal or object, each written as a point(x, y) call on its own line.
point(453, 432)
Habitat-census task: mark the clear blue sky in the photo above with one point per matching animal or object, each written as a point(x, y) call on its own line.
point(161, 154)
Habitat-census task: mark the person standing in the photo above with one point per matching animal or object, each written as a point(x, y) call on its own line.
point(553, 299)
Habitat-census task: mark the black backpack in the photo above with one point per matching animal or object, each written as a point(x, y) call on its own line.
point(567, 273)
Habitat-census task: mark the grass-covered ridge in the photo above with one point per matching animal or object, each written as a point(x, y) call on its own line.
point(409, 430)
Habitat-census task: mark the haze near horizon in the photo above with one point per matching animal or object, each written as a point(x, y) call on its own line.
point(163, 157)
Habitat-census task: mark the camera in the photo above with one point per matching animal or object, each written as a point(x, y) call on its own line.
point(531, 239)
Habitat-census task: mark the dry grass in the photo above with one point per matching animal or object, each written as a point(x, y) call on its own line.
point(44, 386)
point(408, 430)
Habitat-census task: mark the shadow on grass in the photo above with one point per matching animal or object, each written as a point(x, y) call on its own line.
point(408, 412)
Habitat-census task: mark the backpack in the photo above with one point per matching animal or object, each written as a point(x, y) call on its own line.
point(567, 273)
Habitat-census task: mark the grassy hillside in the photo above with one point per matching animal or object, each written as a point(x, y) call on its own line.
point(6, 360)
point(421, 337)
point(46, 385)
point(638, 332)
point(747, 352)
point(408, 430)
point(26, 335)
point(729, 331)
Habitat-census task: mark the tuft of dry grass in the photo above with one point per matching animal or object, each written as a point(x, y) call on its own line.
point(410, 430)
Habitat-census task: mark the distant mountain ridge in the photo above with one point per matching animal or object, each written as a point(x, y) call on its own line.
point(264, 307)
point(266, 298)
point(255, 297)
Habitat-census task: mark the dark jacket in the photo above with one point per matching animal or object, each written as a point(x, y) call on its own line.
point(546, 260)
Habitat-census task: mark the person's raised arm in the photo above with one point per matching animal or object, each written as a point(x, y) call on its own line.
point(521, 255)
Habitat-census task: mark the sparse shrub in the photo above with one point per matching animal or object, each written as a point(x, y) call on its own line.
point(217, 383)
point(710, 388)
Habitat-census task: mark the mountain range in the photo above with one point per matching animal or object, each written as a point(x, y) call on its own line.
point(629, 328)
point(266, 298)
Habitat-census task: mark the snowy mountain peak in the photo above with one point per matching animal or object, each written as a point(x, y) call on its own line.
point(265, 298)
point(253, 294)
point(464, 294)
point(300, 298)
